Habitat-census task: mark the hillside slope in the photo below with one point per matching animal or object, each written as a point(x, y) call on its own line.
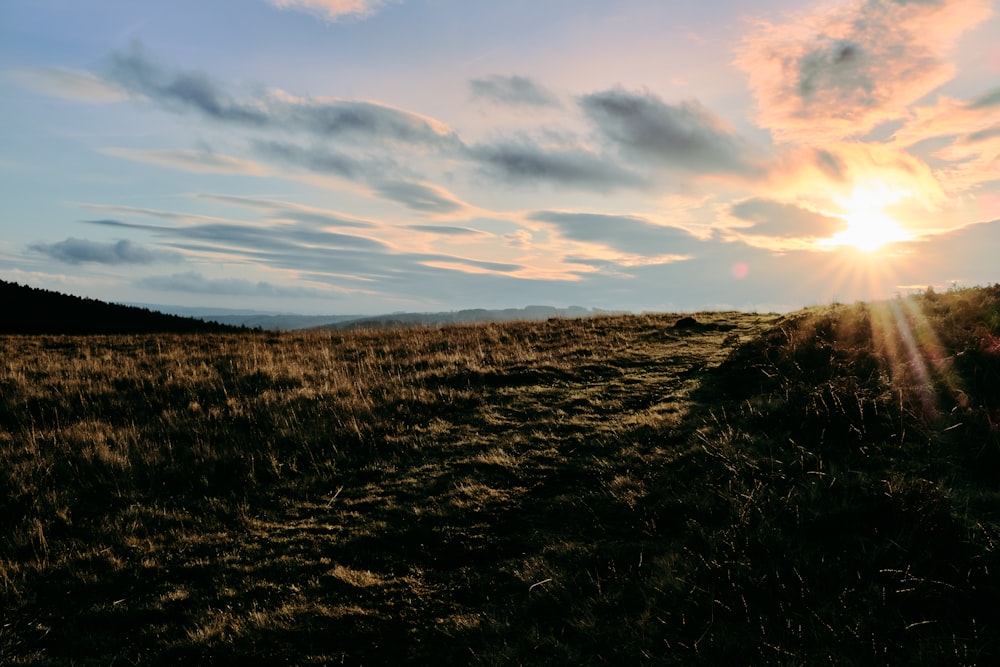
point(820, 488)
point(28, 310)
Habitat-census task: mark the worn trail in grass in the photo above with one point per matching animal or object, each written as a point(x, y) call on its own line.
point(527, 497)
point(470, 480)
point(509, 503)
point(601, 491)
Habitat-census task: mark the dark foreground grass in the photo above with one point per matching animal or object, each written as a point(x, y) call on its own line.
point(611, 490)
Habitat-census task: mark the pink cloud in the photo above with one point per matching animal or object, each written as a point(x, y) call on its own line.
point(970, 163)
point(973, 154)
point(331, 10)
point(837, 168)
point(839, 72)
point(950, 117)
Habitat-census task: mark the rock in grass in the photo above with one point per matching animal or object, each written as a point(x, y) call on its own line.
point(687, 322)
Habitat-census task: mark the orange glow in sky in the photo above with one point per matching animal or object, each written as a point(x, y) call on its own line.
point(869, 227)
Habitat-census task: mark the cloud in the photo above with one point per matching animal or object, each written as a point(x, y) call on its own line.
point(197, 161)
point(136, 73)
point(447, 230)
point(512, 90)
point(196, 283)
point(685, 136)
point(332, 10)
point(145, 212)
point(355, 120)
point(470, 265)
point(986, 100)
point(276, 210)
point(420, 196)
point(72, 84)
point(967, 132)
point(836, 169)
point(839, 72)
point(360, 120)
point(972, 160)
point(532, 164)
point(773, 218)
point(982, 135)
point(628, 234)
point(519, 238)
point(296, 247)
point(231, 237)
point(82, 251)
point(313, 159)
point(948, 117)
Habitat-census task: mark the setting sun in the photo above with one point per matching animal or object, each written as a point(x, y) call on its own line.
point(869, 227)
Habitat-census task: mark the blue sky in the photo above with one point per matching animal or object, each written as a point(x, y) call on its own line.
point(356, 156)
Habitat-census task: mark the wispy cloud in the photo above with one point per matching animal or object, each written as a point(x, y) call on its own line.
point(470, 265)
point(356, 120)
point(245, 237)
point(136, 73)
point(685, 136)
point(277, 211)
point(82, 251)
point(986, 100)
point(195, 283)
point(448, 230)
point(420, 196)
point(837, 168)
point(839, 72)
point(947, 117)
point(332, 10)
point(530, 164)
point(65, 82)
point(773, 218)
point(197, 161)
point(315, 159)
point(359, 120)
point(513, 91)
point(173, 216)
point(633, 235)
point(298, 245)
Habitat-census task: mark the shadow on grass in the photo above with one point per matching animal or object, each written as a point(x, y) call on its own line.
point(509, 504)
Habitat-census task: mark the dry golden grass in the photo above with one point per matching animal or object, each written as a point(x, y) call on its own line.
point(564, 492)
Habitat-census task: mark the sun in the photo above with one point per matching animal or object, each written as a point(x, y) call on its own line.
point(869, 227)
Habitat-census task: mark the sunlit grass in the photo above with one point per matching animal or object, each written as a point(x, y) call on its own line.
point(609, 490)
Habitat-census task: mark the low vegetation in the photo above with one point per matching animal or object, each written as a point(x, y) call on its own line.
point(822, 488)
point(33, 311)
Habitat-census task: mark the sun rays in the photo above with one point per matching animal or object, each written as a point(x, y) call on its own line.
point(910, 346)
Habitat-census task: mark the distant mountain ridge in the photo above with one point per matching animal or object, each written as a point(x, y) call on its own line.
point(291, 321)
point(33, 311)
point(468, 316)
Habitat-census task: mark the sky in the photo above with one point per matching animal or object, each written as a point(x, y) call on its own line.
point(373, 156)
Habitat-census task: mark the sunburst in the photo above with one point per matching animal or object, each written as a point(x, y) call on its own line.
point(869, 227)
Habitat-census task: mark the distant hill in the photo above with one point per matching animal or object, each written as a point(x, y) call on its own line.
point(28, 310)
point(293, 321)
point(280, 322)
point(470, 316)
point(254, 319)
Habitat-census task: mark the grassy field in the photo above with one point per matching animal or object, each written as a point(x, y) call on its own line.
point(821, 488)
